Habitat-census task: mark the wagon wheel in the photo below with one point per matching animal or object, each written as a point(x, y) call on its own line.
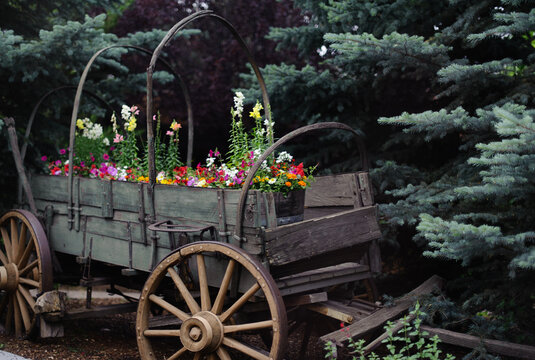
point(25, 271)
point(210, 329)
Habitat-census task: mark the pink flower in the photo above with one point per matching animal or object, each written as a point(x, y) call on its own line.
point(58, 162)
point(62, 151)
point(43, 158)
point(106, 157)
point(169, 132)
point(92, 159)
point(118, 138)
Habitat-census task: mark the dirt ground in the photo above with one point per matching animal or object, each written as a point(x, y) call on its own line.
point(109, 338)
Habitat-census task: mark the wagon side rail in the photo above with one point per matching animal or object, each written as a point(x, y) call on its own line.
point(76, 106)
point(290, 136)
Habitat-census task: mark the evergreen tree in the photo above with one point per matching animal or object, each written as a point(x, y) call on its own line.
point(461, 171)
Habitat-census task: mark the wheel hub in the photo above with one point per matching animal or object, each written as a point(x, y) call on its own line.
point(9, 277)
point(202, 332)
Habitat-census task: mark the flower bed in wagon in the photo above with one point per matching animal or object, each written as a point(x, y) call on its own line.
point(115, 153)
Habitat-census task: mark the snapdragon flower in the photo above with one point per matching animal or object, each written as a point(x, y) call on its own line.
point(238, 103)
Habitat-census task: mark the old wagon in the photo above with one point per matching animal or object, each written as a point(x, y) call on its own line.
point(214, 266)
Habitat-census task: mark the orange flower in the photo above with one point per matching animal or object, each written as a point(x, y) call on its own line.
point(302, 183)
point(291, 176)
point(287, 183)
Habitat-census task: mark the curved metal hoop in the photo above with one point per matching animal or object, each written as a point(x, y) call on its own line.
point(31, 119)
point(76, 107)
point(271, 149)
point(165, 41)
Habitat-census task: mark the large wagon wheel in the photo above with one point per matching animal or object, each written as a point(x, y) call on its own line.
point(25, 271)
point(211, 329)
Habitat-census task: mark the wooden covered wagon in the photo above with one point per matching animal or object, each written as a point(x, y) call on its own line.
point(213, 266)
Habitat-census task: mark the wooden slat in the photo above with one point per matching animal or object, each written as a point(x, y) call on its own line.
point(517, 351)
point(379, 317)
point(99, 311)
point(305, 239)
point(331, 190)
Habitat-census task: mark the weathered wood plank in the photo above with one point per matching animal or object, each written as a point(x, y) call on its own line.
point(517, 351)
point(379, 317)
point(297, 300)
point(331, 190)
point(305, 239)
point(99, 311)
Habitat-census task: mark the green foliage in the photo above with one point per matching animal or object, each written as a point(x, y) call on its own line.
point(409, 343)
point(457, 77)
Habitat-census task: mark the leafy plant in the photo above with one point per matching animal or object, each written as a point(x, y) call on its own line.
point(409, 343)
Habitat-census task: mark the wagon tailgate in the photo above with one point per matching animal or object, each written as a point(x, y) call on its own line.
point(293, 242)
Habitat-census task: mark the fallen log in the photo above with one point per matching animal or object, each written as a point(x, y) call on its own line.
point(379, 317)
point(517, 351)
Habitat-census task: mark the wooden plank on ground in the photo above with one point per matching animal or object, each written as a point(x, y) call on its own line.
point(517, 351)
point(381, 316)
point(339, 311)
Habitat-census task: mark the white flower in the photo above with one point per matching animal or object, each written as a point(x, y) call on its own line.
point(106, 141)
point(114, 122)
point(238, 103)
point(161, 176)
point(284, 157)
point(125, 112)
point(201, 183)
point(210, 161)
point(272, 181)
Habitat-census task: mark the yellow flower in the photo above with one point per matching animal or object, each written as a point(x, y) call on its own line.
point(291, 176)
point(80, 124)
point(255, 114)
point(131, 124)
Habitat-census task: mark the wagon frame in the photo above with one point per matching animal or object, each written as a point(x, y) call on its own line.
point(152, 237)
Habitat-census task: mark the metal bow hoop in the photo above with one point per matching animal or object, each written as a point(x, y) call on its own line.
point(165, 41)
point(271, 149)
point(76, 107)
point(32, 118)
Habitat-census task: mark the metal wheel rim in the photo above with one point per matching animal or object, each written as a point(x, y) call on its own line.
point(25, 267)
point(218, 349)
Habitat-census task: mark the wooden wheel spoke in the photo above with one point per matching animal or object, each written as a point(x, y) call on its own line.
point(26, 254)
point(14, 239)
point(29, 282)
point(256, 354)
point(26, 316)
point(239, 303)
point(29, 267)
point(162, 333)
point(190, 301)
point(27, 296)
point(3, 258)
point(223, 354)
point(170, 308)
point(22, 242)
point(250, 326)
point(220, 299)
point(17, 317)
point(7, 243)
point(178, 354)
point(203, 283)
